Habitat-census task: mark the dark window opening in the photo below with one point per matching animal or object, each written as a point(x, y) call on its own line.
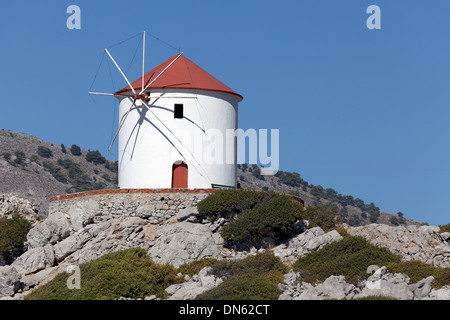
point(178, 112)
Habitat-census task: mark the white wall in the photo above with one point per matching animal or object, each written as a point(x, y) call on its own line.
point(147, 149)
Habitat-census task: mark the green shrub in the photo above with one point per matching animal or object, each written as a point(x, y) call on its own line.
point(13, 234)
point(322, 216)
point(276, 218)
point(7, 156)
point(195, 266)
point(44, 152)
point(256, 172)
point(416, 270)
point(444, 228)
point(34, 158)
point(230, 202)
point(113, 166)
point(63, 149)
point(127, 273)
point(441, 278)
point(20, 158)
point(55, 171)
point(75, 150)
point(349, 257)
point(95, 157)
point(253, 278)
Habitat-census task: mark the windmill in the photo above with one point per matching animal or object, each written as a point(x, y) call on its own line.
point(155, 137)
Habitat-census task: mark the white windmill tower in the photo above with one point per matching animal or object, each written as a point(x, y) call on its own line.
point(163, 115)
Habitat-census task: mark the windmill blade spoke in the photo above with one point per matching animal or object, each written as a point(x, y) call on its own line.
point(101, 93)
point(121, 124)
point(179, 55)
point(143, 59)
point(120, 70)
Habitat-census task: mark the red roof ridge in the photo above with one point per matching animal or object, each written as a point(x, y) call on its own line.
point(182, 74)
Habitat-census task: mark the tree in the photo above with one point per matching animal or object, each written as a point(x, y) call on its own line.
point(20, 157)
point(13, 233)
point(95, 157)
point(75, 150)
point(44, 152)
point(63, 149)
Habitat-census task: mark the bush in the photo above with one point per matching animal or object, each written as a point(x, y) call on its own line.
point(416, 270)
point(441, 278)
point(63, 149)
point(276, 218)
point(444, 228)
point(75, 150)
point(34, 158)
point(13, 234)
point(195, 266)
point(20, 158)
point(55, 171)
point(349, 257)
point(230, 202)
point(44, 152)
point(256, 172)
point(7, 156)
point(95, 157)
point(322, 216)
point(112, 166)
point(253, 278)
point(127, 273)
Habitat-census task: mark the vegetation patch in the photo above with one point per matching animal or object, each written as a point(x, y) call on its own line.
point(231, 202)
point(275, 218)
point(253, 278)
point(44, 152)
point(127, 273)
point(418, 270)
point(444, 228)
point(349, 257)
point(322, 216)
point(194, 267)
point(13, 234)
point(95, 157)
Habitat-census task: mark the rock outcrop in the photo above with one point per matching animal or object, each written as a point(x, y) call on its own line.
point(169, 228)
point(423, 243)
point(11, 204)
point(381, 284)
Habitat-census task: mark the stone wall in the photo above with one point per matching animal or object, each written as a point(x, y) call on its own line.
point(155, 205)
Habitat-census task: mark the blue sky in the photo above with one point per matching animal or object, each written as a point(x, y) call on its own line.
point(362, 111)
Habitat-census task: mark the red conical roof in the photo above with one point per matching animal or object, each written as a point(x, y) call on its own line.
point(182, 74)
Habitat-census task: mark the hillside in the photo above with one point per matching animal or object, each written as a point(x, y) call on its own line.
point(31, 172)
point(37, 170)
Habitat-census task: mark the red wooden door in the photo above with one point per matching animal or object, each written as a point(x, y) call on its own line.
point(179, 175)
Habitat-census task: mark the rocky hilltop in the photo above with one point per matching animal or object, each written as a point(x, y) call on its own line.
point(37, 170)
point(169, 228)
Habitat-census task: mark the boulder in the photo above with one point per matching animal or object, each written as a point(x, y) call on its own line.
point(9, 281)
point(55, 228)
point(440, 294)
point(187, 213)
point(386, 284)
point(422, 288)
point(184, 242)
point(83, 214)
point(198, 284)
point(334, 287)
point(34, 260)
